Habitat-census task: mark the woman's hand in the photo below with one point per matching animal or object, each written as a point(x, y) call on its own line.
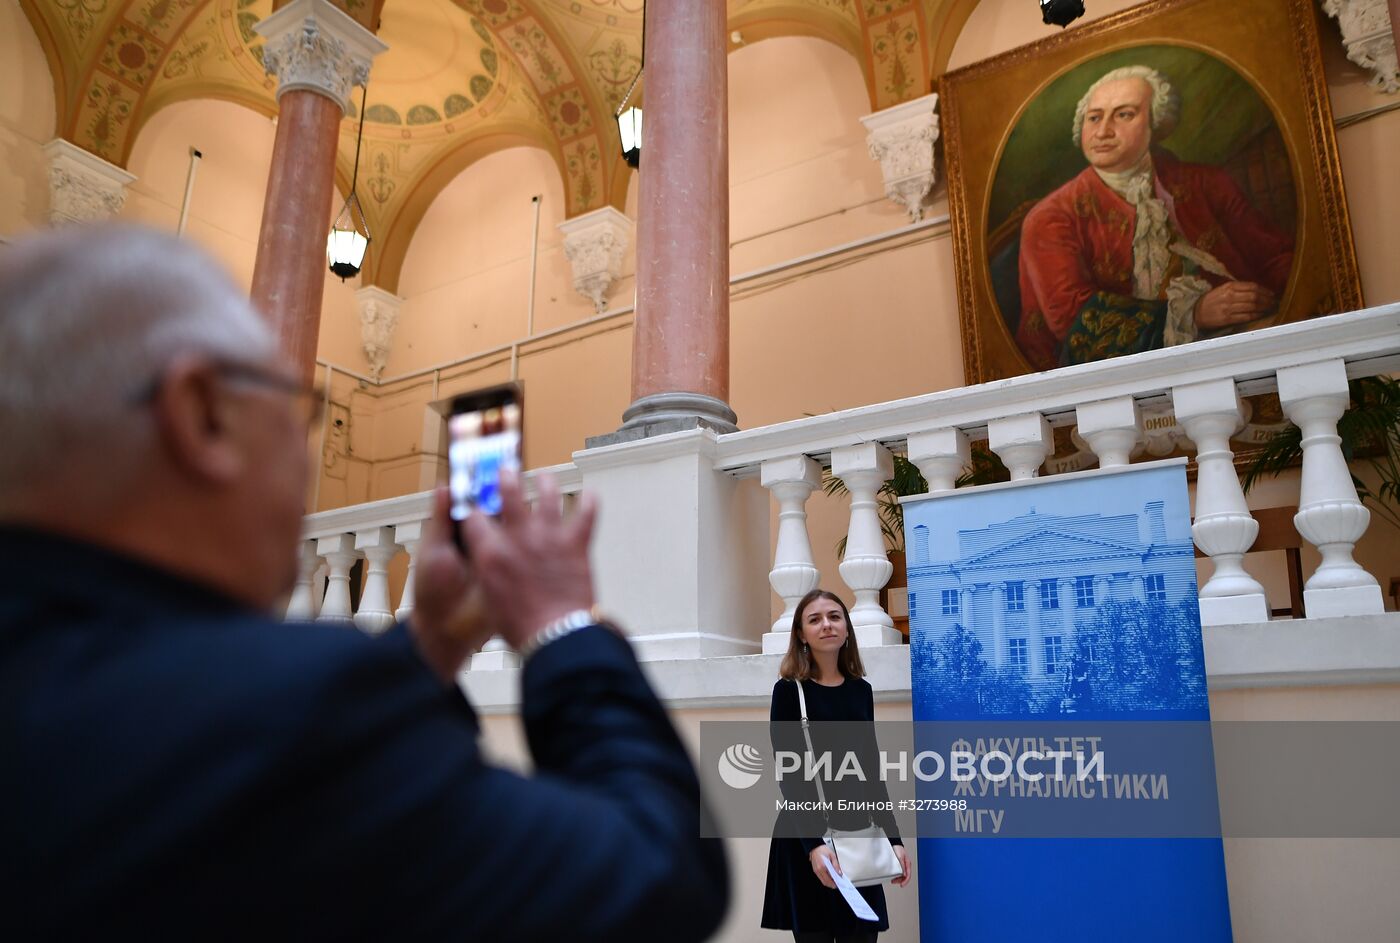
point(903, 857)
point(818, 853)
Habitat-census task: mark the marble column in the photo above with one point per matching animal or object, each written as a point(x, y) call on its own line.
point(680, 344)
point(965, 607)
point(83, 188)
point(318, 54)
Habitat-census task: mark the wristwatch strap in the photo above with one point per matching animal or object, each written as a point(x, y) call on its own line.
point(566, 624)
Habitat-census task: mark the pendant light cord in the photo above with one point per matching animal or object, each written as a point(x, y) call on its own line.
point(359, 136)
point(641, 66)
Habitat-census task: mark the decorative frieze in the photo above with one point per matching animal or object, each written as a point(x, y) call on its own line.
point(83, 188)
point(901, 139)
point(313, 45)
point(1366, 31)
point(594, 244)
point(379, 315)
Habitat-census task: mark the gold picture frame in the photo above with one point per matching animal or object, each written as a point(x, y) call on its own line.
point(1253, 105)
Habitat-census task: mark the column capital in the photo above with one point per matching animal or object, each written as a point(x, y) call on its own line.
point(901, 139)
point(379, 315)
point(314, 45)
point(594, 244)
point(83, 188)
point(1366, 32)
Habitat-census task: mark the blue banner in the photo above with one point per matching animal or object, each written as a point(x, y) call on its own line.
point(1059, 609)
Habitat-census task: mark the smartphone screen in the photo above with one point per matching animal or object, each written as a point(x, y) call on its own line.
point(484, 440)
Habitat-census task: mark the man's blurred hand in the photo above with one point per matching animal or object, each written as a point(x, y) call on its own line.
point(532, 565)
point(449, 619)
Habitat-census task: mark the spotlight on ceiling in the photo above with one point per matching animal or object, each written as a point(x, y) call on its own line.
point(1061, 13)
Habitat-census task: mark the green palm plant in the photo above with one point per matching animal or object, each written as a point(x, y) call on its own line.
point(1369, 430)
point(908, 480)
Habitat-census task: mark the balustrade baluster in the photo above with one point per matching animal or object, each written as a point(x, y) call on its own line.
point(1022, 442)
point(340, 554)
point(408, 536)
point(1330, 516)
point(1112, 427)
point(378, 547)
point(794, 575)
point(302, 606)
point(1223, 529)
point(940, 455)
point(866, 567)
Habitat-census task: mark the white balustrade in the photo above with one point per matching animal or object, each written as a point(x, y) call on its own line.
point(693, 499)
point(1224, 530)
point(1112, 427)
point(791, 482)
point(378, 547)
point(340, 555)
point(940, 455)
point(302, 606)
point(866, 567)
point(1330, 516)
point(1022, 442)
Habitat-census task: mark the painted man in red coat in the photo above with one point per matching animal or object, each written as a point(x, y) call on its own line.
point(1141, 250)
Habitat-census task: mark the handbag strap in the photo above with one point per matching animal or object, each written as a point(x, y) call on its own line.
point(811, 753)
point(807, 736)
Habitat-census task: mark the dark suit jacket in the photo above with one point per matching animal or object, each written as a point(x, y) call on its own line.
point(176, 767)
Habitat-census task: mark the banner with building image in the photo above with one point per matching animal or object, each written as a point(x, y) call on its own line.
point(1055, 610)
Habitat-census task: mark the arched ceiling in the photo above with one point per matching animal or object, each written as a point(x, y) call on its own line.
point(461, 79)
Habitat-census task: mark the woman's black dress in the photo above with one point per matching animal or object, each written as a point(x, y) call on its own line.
point(794, 898)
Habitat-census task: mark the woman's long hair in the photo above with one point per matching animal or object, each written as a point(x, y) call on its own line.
point(797, 663)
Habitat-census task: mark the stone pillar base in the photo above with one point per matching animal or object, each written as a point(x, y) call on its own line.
point(495, 655)
point(662, 413)
point(1343, 601)
point(680, 551)
point(776, 643)
point(875, 636)
point(1232, 610)
point(688, 645)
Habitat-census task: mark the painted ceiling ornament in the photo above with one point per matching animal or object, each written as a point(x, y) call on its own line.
point(1366, 31)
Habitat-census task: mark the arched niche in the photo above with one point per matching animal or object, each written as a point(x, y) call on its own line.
point(465, 275)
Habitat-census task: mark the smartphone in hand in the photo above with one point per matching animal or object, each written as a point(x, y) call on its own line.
point(485, 436)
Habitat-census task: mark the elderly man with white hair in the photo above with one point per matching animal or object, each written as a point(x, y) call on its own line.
point(1141, 250)
point(177, 764)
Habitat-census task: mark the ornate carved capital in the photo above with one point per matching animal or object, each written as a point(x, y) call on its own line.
point(83, 187)
point(594, 244)
point(313, 45)
point(1366, 31)
point(901, 139)
point(379, 315)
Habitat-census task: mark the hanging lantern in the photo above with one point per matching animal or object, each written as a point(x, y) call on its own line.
point(629, 119)
point(629, 129)
point(349, 238)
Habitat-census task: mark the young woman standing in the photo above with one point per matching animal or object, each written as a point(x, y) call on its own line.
point(823, 657)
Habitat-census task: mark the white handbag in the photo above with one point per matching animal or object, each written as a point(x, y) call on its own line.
point(865, 854)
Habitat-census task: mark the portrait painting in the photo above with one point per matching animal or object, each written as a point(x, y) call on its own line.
point(1159, 177)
